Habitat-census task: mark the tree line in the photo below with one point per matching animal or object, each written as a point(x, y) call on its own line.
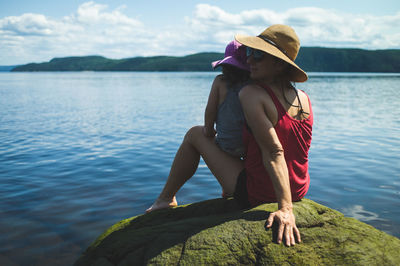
point(311, 59)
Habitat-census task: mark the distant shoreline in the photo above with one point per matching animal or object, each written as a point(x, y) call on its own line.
point(311, 59)
point(7, 68)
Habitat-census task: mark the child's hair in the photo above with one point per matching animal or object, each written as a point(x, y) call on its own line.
point(234, 74)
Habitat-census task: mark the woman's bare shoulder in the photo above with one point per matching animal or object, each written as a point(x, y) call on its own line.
point(302, 94)
point(304, 100)
point(254, 97)
point(253, 91)
point(250, 89)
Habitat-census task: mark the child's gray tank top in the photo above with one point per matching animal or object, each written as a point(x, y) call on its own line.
point(229, 122)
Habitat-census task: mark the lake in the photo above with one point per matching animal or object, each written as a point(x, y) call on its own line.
point(80, 151)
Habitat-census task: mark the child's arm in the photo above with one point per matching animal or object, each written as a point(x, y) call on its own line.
point(210, 114)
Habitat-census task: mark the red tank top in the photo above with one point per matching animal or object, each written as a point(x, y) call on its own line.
point(295, 138)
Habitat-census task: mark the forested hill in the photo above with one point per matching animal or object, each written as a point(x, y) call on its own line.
point(317, 59)
point(312, 59)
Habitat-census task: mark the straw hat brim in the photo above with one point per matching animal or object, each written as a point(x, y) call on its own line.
point(296, 74)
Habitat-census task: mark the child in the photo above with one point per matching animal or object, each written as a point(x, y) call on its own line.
point(223, 107)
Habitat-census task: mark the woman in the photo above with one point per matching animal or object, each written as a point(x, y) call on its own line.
point(277, 136)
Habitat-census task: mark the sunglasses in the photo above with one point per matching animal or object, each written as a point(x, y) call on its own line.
point(257, 54)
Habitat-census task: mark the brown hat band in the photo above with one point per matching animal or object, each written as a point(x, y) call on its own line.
point(272, 43)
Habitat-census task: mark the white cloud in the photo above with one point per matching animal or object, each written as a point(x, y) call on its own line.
point(91, 13)
point(92, 30)
point(27, 24)
point(319, 27)
point(95, 29)
point(315, 26)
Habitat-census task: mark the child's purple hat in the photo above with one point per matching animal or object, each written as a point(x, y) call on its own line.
point(235, 55)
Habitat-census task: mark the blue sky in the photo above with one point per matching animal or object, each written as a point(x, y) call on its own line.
point(36, 31)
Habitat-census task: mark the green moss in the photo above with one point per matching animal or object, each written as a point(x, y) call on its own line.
point(218, 232)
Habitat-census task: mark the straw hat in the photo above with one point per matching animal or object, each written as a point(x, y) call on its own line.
point(280, 41)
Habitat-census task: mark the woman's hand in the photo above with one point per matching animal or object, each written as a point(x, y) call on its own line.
point(286, 226)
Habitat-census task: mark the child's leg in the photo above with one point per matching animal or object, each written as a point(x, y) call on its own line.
point(231, 152)
point(223, 166)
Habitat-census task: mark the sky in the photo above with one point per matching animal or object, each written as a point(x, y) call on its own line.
point(39, 30)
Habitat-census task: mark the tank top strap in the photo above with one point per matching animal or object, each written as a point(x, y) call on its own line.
point(278, 105)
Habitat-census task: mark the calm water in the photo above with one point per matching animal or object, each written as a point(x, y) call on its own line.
point(81, 151)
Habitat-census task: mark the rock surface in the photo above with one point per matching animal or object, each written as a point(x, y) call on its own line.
point(217, 232)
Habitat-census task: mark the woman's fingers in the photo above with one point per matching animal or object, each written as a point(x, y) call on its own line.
point(280, 232)
point(270, 219)
point(292, 240)
point(287, 236)
point(297, 234)
point(287, 230)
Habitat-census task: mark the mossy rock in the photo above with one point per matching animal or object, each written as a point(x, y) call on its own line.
point(218, 232)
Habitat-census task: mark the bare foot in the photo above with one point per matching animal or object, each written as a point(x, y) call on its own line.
point(162, 204)
point(224, 195)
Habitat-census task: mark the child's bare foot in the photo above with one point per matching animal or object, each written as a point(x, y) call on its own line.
point(226, 195)
point(162, 204)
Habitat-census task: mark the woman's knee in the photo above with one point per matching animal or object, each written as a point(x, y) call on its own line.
point(193, 134)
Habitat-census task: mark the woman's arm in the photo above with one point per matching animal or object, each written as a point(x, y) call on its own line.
point(254, 100)
point(210, 114)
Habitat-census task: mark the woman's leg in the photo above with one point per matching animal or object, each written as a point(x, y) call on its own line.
point(223, 166)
